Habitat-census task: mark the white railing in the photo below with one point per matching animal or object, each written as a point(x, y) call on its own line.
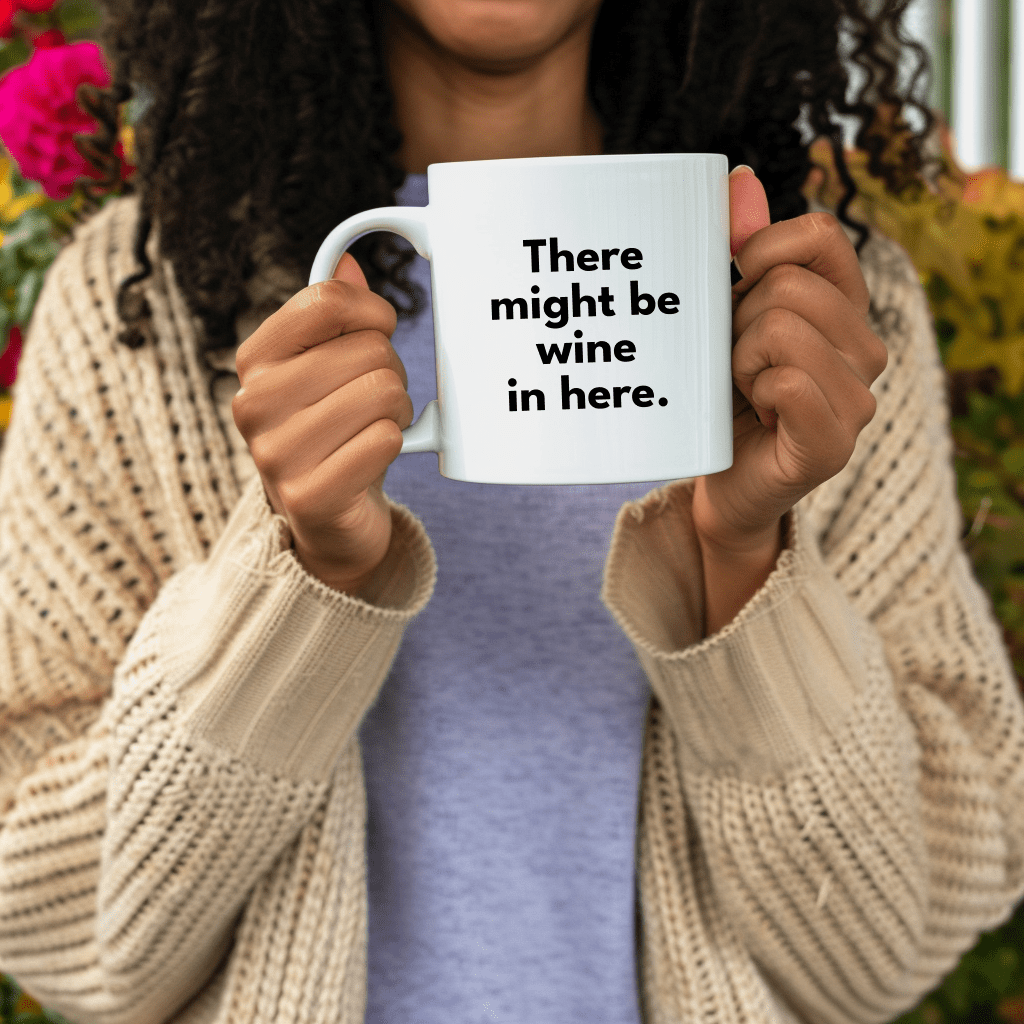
point(977, 50)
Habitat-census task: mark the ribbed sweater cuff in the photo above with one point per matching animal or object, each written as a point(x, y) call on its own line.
point(272, 665)
point(755, 699)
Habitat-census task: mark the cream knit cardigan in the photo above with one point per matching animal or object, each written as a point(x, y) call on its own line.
point(832, 797)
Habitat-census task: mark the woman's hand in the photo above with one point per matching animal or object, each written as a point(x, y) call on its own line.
point(803, 361)
point(322, 405)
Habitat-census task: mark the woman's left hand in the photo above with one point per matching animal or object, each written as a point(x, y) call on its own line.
point(803, 361)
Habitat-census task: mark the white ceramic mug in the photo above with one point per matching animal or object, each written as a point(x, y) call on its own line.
point(582, 316)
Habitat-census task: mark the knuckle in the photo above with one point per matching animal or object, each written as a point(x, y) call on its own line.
point(244, 357)
point(386, 385)
point(793, 383)
point(313, 295)
point(399, 367)
point(248, 406)
point(378, 350)
point(406, 412)
point(869, 405)
point(295, 497)
point(782, 282)
point(390, 440)
point(265, 455)
point(777, 322)
point(358, 309)
point(241, 411)
point(324, 308)
point(387, 313)
point(823, 223)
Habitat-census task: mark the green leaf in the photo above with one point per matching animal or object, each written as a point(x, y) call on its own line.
point(995, 312)
point(998, 969)
point(28, 292)
point(13, 53)
point(9, 995)
point(41, 251)
point(1013, 460)
point(10, 268)
point(983, 479)
point(938, 290)
point(77, 17)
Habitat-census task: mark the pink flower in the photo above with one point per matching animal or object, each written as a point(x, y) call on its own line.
point(7, 10)
point(10, 357)
point(39, 114)
point(51, 37)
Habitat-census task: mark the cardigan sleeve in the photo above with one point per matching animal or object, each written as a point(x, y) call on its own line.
point(164, 735)
point(849, 749)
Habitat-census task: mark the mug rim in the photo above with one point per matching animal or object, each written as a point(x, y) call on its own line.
point(599, 158)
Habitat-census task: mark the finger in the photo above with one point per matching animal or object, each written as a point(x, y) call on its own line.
point(824, 307)
point(312, 316)
point(348, 269)
point(779, 337)
point(748, 207)
point(811, 443)
point(352, 469)
point(307, 438)
point(282, 389)
point(814, 240)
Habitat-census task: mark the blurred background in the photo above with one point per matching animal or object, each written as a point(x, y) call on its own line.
point(964, 233)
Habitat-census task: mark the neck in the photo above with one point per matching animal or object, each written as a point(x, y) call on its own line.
point(451, 108)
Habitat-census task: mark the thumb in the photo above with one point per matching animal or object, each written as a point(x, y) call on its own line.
point(748, 207)
point(349, 270)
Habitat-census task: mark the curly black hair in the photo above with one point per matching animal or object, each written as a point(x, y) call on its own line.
point(271, 121)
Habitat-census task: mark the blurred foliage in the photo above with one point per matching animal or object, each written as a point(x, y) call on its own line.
point(18, 1008)
point(965, 234)
point(30, 226)
point(77, 19)
point(33, 226)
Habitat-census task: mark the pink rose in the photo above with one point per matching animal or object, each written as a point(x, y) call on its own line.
point(51, 37)
point(7, 9)
point(10, 357)
point(39, 114)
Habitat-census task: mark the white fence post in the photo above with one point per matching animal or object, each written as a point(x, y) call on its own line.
point(922, 23)
point(1016, 118)
point(975, 82)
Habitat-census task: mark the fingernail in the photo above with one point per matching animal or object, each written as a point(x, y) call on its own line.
point(735, 272)
point(743, 167)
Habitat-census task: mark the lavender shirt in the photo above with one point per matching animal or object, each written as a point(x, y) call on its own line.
point(502, 757)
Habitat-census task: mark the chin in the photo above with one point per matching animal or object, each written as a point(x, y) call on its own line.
point(497, 31)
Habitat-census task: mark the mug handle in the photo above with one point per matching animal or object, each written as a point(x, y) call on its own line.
point(412, 223)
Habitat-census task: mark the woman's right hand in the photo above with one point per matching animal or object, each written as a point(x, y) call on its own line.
point(322, 406)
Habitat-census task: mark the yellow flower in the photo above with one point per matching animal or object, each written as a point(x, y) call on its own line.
point(128, 142)
point(12, 208)
point(26, 1004)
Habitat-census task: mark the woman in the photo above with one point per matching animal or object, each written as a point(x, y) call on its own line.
point(807, 785)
